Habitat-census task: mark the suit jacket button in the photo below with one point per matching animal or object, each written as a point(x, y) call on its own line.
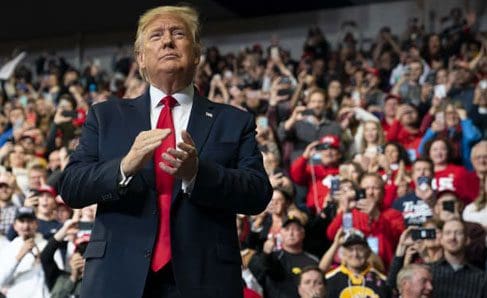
point(154, 212)
point(147, 254)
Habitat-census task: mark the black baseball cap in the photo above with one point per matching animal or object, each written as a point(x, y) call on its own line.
point(25, 213)
point(354, 237)
point(292, 219)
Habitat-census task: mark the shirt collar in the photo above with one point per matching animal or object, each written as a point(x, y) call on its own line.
point(183, 97)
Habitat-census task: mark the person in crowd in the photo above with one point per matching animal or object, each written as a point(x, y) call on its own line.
point(311, 283)
point(448, 176)
point(479, 162)
point(456, 127)
point(381, 227)
point(63, 284)
point(8, 209)
point(307, 124)
point(180, 172)
point(416, 206)
point(455, 267)
point(316, 167)
point(356, 276)
point(21, 273)
point(415, 281)
point(278, 271)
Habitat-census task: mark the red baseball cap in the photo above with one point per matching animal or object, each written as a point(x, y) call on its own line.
point(331, 140)
point(47, 189)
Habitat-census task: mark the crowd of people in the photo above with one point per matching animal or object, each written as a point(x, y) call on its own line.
point(377, 157)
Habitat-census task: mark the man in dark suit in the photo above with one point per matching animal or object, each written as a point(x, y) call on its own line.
point(165, 224)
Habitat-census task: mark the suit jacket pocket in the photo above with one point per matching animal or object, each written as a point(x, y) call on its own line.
point(95, 249)
point(228, 254)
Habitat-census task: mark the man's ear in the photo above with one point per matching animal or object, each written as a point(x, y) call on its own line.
point(140, 59)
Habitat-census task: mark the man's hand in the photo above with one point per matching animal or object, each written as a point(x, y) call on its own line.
point(28, 245)
point(142, 149)
point(77, 263)
point(182, 163)
point(70, 227)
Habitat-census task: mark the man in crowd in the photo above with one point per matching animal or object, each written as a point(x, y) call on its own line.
point(415, 281)
point(355, 275)
point(311, 283)
point(278, 271)
point(416, 207)
point(20, 270)
point(453, 276)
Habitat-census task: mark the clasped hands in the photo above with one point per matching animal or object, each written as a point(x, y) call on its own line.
point(182, 163)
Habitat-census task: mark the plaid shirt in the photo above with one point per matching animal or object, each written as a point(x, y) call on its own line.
point(468, 282)
point(7, 217)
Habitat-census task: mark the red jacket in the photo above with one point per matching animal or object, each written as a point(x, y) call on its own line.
point(387, 228)
point(301, 173)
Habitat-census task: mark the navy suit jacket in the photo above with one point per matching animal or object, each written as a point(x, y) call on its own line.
point(205, 251)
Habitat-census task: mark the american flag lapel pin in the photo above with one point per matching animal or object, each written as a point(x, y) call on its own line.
point(208, 114)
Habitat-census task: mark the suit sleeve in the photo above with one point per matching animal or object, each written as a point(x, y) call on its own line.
point(86, 180)
point(244, 189)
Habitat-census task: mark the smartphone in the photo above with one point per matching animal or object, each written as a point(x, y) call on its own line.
point(263, 122)
point(347, 221)
point(335, 184)
point(440, 117)
point(449, 206)
point(360, 194)
point(275, 53)
point(440, 91)
point(70, 114)
point(422, 233)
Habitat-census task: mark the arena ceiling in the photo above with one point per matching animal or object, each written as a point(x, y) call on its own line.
point(24, 20)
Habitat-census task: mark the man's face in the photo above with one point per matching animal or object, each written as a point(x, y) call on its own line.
point(317, 103)
point(416, 70)
point(25, 228)
point(453, 238)
point(35, 179)
point(311, 285)
point(5, 192)
point(422, 168)
point(479, 158)
point(373, 189)
point(168, 49)
point(419, 286)
point(292, 235)
point(330, 156)
point(390, 107)
point(356, 256)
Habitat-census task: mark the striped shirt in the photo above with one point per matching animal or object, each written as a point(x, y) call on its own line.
point(468, 281)
point(7, 217)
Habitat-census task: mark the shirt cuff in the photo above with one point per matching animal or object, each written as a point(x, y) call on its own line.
point(125, 180)
point(187, 186)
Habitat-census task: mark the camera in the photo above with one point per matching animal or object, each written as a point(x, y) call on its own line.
point(360, 193)
point(422, 233)
point(449, 206)
point(70, 114)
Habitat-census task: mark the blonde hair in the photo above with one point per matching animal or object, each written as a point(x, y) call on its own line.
point(380, 134)
point(187, 14)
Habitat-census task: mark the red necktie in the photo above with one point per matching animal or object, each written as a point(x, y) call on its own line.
point(164, 185)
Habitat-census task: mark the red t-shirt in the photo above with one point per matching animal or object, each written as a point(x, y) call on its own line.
point(387, 228)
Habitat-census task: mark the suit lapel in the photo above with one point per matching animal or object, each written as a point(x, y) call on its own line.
point(137, 119)
point(203, 114)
